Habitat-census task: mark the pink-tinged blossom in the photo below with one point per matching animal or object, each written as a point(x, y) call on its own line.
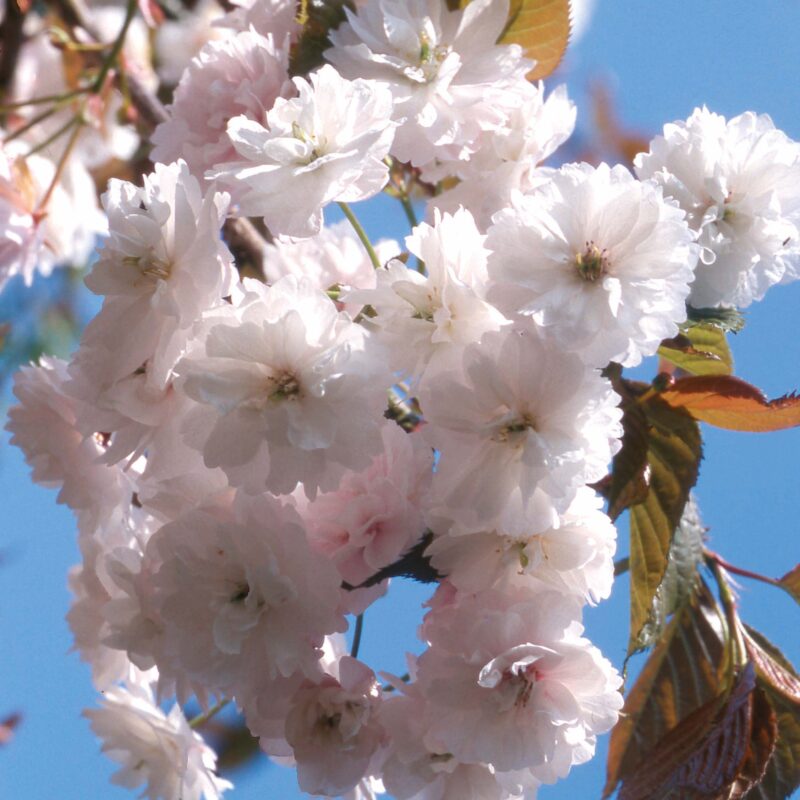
point(428, 319)
point(332, 258)
point(447, 75)
point(327, 144)
point(44, 426)
point(377, 514)
point(575, 558)
point(418, 768)
point(162, 266)
point(738, 182)
point(519, 430)
point(333, 728)
point(507, 160)
point(242, 75)
point(297, 387)
point(241, 595)
point(509, 681)
point(157, 752)
point(598, 260)
point(276, 18)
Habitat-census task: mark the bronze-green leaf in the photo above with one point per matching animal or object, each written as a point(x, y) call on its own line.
point(542, 28)
point(689, 666)
point(673, 457)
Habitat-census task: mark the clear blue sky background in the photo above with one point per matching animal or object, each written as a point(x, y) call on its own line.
point(662, 59)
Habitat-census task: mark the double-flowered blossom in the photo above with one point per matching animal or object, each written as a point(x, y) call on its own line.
point(737, 181)
point(242, 75)
point(510, 681)
point(574, 558)
point(239, 594)
point(296, 389)
point(430, 318)
point(520, 428)
point(157, 752)
point(598, 260)
point(447, 76)
point(326, 144)
point(162, 266)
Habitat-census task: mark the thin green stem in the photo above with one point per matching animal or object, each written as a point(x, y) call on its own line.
point(55, 136)
point(33, 122)
point(62, 162)
point(48, 98)
point(116, 48)
point(357, 636)
point(201, 719)
point(362, 235)
point(408, 207)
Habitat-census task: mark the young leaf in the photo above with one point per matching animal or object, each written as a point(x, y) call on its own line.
point(704, 754)
point(700, 349)
point(728, 402)
point(542, 28)
point(791, 582)
point(689, 666)
point(7, 728)
point(673, 455)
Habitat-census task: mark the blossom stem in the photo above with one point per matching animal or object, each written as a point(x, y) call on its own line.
point(745, 573)
point(54, 136)
point(116, 49)
point(48, 98)
point(77, 122)
point(362, 234)
point(408, 207)
point(739, 651)
point(359, 628)
point(201, 719)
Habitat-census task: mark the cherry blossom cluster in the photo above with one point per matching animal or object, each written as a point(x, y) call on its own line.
point(231, 448)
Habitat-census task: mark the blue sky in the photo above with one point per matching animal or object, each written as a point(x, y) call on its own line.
point(662, 59)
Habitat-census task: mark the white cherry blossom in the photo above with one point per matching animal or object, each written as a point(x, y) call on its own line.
point(737, 181)
point(326, 144)
point(599, 261)
point(447, 75)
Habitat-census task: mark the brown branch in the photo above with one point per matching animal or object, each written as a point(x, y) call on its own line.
point(11, 42)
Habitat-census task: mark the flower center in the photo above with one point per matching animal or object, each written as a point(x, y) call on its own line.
point(592, 264)
point(150, 267)
point(286, 387)
point(316, 147)
point(514, 429)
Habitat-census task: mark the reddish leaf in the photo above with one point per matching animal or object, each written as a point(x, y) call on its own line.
point(687, 668)
point(729, 402)
point(763, 736)
point(791, 582)
point(780, 683)
point(704, 754)
point(7, 728)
